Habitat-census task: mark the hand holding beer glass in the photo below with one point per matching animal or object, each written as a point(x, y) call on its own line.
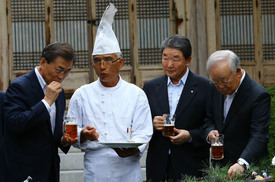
point(169, 124)
point(70, 128)
point(217, 147)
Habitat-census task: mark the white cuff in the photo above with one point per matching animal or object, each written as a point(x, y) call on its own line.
point(47, 105)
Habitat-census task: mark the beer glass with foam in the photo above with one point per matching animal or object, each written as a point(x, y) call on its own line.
point(169, 124)
point(217, 147)
point(70, 127)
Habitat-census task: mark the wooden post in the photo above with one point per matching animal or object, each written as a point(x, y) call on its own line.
point(49, 22)
point(181, 19)
point(218, 24)
point(5, 43)
point(211, 26)
point(133, 31)
point(91, 19)
point(201, 34)
point(258, 42)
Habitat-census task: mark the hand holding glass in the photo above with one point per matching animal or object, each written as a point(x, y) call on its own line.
point(169, 124)
point(70, 127)
point(217, 147)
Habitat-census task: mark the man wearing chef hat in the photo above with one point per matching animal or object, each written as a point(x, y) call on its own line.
point(111, 112)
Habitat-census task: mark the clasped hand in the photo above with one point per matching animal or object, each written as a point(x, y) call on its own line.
point(88, 133)
point(182, 136)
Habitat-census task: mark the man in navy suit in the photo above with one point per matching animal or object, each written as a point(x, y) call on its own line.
point(2, 94)
point(239, 108)
point(34, 109)
point(181, 93)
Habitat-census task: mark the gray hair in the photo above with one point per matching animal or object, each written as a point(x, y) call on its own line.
point(224, 55)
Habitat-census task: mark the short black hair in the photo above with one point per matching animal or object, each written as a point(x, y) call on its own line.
point(56, 49)
point(178, 42)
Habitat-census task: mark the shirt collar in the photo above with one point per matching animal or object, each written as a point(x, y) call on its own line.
point(40, 79)
point(182, 80)
point(239, 84)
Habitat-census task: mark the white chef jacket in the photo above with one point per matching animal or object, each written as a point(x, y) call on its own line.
point(111, 110)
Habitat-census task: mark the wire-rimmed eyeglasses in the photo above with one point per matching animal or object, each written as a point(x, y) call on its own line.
point(63, 72)
point(222, 82)
point(107, 60)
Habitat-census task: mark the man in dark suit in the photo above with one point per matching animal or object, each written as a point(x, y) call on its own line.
point(239, 108)
point(2, 94)
point(182, 93)
point(34, 109)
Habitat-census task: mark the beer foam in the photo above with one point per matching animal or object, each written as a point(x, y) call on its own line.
point(71, 123)
point(217, 144)
point(169, 124)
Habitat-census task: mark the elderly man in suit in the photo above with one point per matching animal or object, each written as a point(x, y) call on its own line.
point(34, 109)
point(181, 93)
point(239, 108)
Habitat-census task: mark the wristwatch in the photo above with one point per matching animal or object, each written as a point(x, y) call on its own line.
point(241, 163)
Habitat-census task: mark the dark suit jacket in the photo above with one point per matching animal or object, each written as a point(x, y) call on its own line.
point(246, 125)
point(2, 94)
point(190, 113)
point(31, 147)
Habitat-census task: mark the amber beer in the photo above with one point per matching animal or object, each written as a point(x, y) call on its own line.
point(71, 129)
point(217, 151)
point(168, 130)
point(217, 147)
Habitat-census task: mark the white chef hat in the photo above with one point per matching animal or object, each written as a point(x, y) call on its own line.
point(106, 41)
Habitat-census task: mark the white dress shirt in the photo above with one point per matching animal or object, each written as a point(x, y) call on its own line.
point(51, 109)
point(174, 93)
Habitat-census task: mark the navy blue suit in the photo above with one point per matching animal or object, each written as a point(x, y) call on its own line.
point(246, 126)
point(2, 94)
point(31, 149)
point(190, 112)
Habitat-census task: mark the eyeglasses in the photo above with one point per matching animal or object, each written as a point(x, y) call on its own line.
point(222, 82)
point(62, 72)
point(107, 60)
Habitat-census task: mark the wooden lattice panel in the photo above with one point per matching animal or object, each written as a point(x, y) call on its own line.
point(268, 30)
point(153, 28)
point(237, 28)
point(70, 25)
point(28, 33)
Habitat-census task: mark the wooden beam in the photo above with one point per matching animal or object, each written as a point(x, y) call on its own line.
point(258, 41)
point(5, 41)
point(49, 22)
point(133, 31)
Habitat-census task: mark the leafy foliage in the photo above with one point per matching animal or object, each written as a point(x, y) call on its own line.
point(271, 143)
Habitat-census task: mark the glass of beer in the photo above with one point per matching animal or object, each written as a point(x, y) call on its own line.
point(70, 127)
point(169, 124)
point(217, 147)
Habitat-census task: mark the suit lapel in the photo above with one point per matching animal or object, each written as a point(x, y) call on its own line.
point(219, 107)
point(239, 100)
point(161, 91)
point(188, 93)
point(38, 92)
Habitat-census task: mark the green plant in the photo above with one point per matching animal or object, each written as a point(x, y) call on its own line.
point(271, 143)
